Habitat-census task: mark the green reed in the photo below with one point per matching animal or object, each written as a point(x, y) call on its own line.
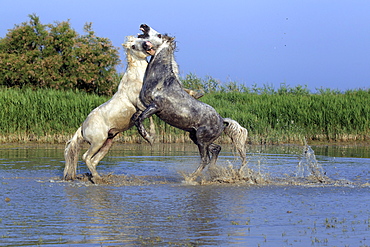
point(280, 117)
point(44, 111)
point(292, 117)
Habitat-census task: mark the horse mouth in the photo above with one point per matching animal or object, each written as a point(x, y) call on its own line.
point(148, 47)
point(145, 29)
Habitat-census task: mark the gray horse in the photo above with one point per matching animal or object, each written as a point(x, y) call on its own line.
point(162, 94)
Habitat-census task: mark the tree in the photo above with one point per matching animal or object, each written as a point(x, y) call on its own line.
point(56, 56)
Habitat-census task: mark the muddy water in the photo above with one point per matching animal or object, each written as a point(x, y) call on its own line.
point(155, 208)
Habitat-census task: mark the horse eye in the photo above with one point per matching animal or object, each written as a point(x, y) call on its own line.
point(133, 47)
point(159, 36)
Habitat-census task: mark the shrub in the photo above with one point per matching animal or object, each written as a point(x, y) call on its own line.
point(56, 56)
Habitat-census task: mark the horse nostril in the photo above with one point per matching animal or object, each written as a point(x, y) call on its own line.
point(133, 47)
point(147, 46)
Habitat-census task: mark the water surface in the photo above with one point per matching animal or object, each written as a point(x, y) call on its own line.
point(37, 208)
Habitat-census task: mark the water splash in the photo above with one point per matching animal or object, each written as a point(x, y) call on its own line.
point(309, 167)
point(308, 172)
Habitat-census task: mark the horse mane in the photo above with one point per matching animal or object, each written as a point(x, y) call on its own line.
point(129, 58)
point(165, 53)
point(170, 40)
point(175, 66)
point(171, 44)
point(127, 47)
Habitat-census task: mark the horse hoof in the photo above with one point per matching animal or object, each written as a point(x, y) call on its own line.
point(150, 140)
point(190, 179)
point(97, 180)
point(190, 182)
point(69, 178)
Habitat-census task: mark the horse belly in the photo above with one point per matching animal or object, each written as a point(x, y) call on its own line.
point(121, 119)
point(178, 121)
point(190, 118)
point(117, 114)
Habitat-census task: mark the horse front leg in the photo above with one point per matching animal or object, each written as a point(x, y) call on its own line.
point(148, 112)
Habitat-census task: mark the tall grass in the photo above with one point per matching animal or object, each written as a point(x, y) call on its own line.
point(275, 118)
point(271, 116)
point(289, 114)
point(28, 114)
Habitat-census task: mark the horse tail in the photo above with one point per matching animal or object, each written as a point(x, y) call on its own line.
point(238, 135)
point(71, 152)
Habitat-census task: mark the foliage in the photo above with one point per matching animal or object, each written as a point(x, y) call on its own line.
point(211, 85)
point(269, 118)
point(56, 56)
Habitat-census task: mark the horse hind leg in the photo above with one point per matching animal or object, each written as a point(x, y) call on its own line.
point(88, 158)
point(204, 154)
point(242, 154)
point(102, 152)
point(215, 150)
point(204, 150)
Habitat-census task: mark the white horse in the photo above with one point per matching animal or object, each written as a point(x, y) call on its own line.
point(110, 118)
point(114, 116)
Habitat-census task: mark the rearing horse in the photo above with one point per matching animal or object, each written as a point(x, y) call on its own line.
point(110, 118)
point(163, 95)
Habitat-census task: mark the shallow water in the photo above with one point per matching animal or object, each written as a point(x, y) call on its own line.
point(158, 209)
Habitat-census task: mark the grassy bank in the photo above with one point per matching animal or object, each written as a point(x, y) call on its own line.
point(52, 116)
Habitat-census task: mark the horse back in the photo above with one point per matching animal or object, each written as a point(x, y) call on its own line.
point(181, 110)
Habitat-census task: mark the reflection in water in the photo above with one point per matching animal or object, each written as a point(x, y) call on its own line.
point(178, 214)
point(146, 213)
point(354, 151)
point(43, 210)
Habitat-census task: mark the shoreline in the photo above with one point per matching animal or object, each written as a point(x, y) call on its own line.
point(117, 145)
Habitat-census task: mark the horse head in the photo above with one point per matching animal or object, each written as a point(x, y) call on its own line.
point(134, 48)
point(153, 39)
point(148, 32)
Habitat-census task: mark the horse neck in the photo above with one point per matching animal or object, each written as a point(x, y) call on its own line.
point(175, 67)
point(168, 57)
point(164, 55)
point(134, 74)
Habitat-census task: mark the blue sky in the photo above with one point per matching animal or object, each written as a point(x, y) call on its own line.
point(318, 43)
